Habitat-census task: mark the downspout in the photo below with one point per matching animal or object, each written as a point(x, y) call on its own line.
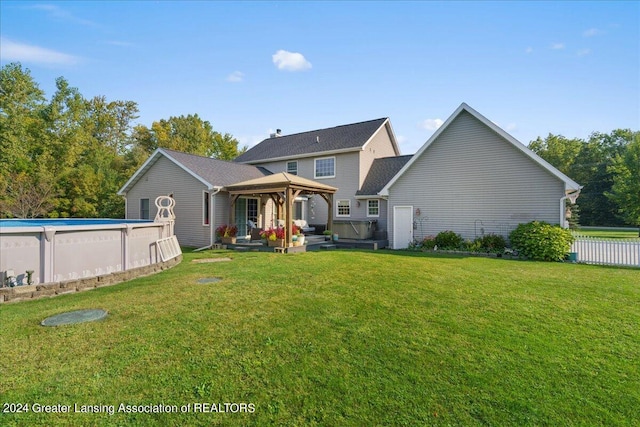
point(212, 227)
point(572, 198)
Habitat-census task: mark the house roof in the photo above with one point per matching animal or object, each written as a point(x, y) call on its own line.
point(213, 173)
point(570, 185)
point(281, 180)
point(351, 137)
point(381, 172)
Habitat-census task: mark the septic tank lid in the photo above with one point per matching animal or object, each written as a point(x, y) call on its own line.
point(71, 317)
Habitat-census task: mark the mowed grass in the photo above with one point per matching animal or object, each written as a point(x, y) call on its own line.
point(609, 233)
point(338, 338)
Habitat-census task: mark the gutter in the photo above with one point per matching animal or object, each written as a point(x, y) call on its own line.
point(212, 227)
point(572, 198)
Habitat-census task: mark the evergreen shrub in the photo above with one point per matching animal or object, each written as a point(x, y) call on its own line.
point(541, 241)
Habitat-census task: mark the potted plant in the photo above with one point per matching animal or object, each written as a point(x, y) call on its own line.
point(227, 233)
point(264, 236)
point(327, 235)
point(275, 237)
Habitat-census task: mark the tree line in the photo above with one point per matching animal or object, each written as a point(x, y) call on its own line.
point(608, 168)
point(67, 156)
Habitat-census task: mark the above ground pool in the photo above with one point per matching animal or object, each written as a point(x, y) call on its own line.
point(49, 222)
point(35, 251)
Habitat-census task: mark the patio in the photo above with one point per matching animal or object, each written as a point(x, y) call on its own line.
point(313, 243)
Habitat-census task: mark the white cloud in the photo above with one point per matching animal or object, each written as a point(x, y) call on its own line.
point(557, 46)
point(584, 52)
point(235, 77)
point(511, 127)
point(529, 50)
point(13, 51)
point(431, 124)
point(58, 13)
point(290, 61)
point(592, 32)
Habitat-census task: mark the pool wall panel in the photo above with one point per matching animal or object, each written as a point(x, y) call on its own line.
point(63, 253)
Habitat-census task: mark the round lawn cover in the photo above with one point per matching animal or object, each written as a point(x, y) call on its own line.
point(71, 317)
point(209, 280)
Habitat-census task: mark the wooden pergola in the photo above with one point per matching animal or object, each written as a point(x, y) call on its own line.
point(283, 188)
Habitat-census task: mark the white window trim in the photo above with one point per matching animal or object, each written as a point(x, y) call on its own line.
point(315, 164)
point(292, 161)
point(204, 211)
point(338, 208)
point(368, 214)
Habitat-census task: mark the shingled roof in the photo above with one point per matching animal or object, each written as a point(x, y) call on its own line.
point(211, 172)
point(381, 172)
point(340, 138)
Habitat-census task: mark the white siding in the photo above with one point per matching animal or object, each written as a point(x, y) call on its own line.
point(470, 180)
point(164, 178)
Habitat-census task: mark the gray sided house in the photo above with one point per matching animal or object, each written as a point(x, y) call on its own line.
point(342, 157)
point(473, 178)
point(470, 177)
point(196, 184)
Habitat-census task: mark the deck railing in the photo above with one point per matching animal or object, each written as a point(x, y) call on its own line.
point(593, 250)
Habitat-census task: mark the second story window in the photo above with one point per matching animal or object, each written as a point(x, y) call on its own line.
point(292, 168)
point(325, 167)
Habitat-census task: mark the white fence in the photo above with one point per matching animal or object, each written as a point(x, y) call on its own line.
point(592, 250)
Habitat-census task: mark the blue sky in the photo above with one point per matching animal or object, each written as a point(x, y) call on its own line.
point(533, 68)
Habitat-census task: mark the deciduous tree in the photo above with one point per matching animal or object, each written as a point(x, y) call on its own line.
point(625, 191)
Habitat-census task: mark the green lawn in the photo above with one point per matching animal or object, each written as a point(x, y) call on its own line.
point(609, 233)
point(338, 338)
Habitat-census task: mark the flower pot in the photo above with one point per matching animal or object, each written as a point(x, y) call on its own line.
point(301, 239)
point(278, 243)
point(335, 237)
point(229, 240)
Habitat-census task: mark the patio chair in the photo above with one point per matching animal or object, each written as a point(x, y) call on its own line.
point(304, 226)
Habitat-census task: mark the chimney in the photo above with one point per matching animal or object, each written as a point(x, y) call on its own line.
point(277, 134)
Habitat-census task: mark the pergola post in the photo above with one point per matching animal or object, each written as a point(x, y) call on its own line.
point(232, 209)
point(287, 218)
point(328, 197)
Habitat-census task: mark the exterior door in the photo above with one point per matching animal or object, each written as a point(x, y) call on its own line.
point(246, 210)
point(241, 216)
point(402, 226)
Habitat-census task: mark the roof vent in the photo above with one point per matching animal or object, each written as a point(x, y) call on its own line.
point(317, 139)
